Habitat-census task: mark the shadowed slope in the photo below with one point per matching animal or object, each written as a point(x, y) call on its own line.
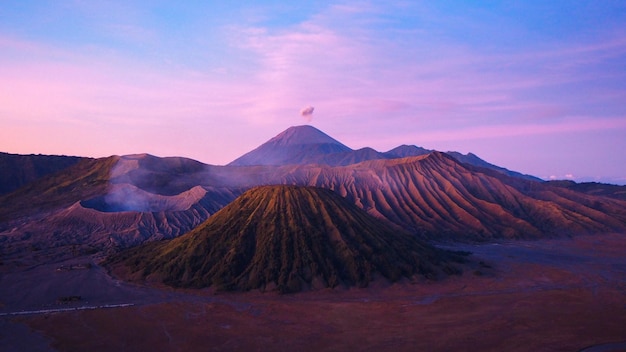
point(474, 160)
point(593, 188)
point(18, 170)
point(86, 179)
point(288, 238)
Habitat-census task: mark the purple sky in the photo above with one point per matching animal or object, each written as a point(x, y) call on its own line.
point(537, 87)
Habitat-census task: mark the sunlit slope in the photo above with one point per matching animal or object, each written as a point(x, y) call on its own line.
point(442, 198)
point(288, 238)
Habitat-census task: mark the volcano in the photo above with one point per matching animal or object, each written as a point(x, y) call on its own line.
point(117, 202)
point(288, 238)
point(296, 145)
point(306, 145)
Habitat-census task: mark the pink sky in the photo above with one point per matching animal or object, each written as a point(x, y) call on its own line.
point(505, 83)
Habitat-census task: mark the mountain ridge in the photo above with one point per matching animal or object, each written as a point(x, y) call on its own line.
point(307, 145)
point(17, 170)
point(432, 195)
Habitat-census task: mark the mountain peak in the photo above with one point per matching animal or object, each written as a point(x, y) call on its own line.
point(296, 145)
point(406, 150)
point(304, 134)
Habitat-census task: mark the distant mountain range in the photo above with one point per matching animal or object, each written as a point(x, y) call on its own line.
point(119, 202)
point(304, 145)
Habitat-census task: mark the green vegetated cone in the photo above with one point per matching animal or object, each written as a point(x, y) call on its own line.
point(288, 238)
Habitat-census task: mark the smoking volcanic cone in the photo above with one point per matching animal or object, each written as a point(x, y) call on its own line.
point(286, 238)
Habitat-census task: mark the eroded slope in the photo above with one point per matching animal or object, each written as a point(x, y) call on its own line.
point(288, 238)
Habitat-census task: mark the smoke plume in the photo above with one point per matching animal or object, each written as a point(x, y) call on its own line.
point(307, 113)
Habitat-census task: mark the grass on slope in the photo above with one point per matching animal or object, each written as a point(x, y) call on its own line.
point(288, 238)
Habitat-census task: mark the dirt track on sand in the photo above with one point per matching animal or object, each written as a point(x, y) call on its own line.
point(553, 295)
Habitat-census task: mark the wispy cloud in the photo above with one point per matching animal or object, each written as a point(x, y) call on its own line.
point(348, 74)
point(377, 74)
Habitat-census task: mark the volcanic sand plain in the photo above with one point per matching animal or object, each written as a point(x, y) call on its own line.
point(546, 295)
